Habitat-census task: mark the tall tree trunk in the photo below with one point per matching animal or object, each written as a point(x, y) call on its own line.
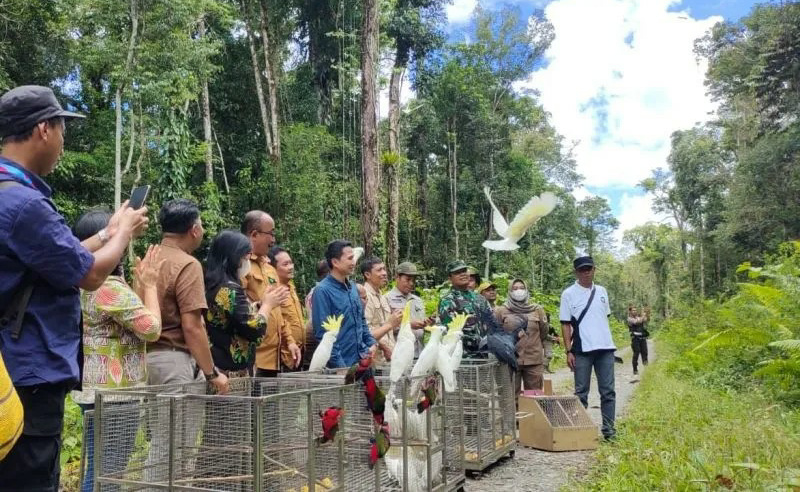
point(272, 88)
point(369, 124)
point(392, 181)
point(262, 105)
point(702, 260)
point(452, 161)
point(118, 171)
point(206, 102)
point(422, 206)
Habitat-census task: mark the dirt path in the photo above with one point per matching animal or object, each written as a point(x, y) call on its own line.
point(532, 470)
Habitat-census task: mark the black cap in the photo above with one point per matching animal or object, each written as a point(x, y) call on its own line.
point(583, 261)
point(23, 107)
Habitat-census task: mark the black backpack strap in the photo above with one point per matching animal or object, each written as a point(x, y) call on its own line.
point(577, 346)
point(586, 308)
point(15, 311)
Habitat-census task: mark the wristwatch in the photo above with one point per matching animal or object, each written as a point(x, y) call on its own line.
point(214, 374)
point(103, 235)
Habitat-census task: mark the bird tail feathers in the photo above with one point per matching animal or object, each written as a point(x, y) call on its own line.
point(501, 245)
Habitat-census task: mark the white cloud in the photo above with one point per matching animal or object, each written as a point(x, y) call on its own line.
point(406, 92)
point(636, 210)
point(460, 11)
point(622, 100)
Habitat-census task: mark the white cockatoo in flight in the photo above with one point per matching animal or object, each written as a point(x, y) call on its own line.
point(323, 351)
point(536, 208)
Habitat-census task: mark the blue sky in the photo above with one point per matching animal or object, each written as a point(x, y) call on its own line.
point(619, 78)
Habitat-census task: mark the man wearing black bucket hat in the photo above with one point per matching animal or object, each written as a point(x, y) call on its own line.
point(584, 313)
point(42, 265)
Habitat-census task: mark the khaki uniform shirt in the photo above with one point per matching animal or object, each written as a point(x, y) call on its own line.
point(181, 289)
point(530, 348)
point(377, 314)
point(292, 311)
point(278, 333)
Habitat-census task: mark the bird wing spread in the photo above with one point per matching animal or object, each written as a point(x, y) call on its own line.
point(498, 221)
point(536, 208)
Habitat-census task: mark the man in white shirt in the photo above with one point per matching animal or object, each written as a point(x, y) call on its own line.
point(584, 313)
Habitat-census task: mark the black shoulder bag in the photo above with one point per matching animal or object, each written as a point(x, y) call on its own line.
point(576, 337)
point(15, 311)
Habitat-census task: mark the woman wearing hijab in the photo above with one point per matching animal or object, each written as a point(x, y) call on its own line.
point(529, 324)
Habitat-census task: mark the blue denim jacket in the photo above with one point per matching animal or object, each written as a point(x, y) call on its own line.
point(332, 298)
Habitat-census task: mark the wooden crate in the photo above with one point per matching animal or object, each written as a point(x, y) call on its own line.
point(556, 423)
point(548, 386)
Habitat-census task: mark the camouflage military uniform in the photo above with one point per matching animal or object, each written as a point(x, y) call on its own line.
point(468, 302)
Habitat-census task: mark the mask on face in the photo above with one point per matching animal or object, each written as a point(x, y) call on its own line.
point(519, 295)
point(244, 268)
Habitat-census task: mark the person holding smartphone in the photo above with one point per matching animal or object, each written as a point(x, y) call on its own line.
point(42, 267)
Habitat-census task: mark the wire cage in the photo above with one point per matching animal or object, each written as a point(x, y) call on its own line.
point(262, 436)
point(427, 449)
point(489, 411)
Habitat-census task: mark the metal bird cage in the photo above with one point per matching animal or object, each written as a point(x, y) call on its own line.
point(427, 450)
point(489, 412)
point(262, 436)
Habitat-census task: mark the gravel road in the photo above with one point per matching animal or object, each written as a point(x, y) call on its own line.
point(532, 470)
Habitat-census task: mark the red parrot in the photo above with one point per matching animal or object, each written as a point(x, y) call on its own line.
point(376, 399)
point(330, 424)
point(428, 394)
point(380, 445)
point(358, 371)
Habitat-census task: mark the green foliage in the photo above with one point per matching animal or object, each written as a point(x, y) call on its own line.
point(748, 342)
point(667, 441)
point(72, 436)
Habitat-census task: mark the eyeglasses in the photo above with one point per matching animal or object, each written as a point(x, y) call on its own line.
point(585, 269)
point(271, 233)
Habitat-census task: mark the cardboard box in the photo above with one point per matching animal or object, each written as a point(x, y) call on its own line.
point(556, 423)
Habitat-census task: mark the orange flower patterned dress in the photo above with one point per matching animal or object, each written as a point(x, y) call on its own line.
point(116, 329)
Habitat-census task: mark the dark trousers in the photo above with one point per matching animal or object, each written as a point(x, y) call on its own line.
point(639, 346)
point(603, 363)
point(33, 463)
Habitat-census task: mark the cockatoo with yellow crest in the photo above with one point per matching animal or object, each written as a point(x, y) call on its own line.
point(445, 363)
point(427, 358)
point(323, 351)
point(536, 208)
point(403, 352)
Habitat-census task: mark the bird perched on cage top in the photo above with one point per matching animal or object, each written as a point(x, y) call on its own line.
point(403, 352)
point(445, 362)
point(323, 351)
point(536, 208)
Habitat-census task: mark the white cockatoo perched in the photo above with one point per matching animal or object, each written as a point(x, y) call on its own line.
point(323, 351)
point(536, 208)
point(358, 252)
point(403, 352)
point(455, 326)
point(427, 358)
point(445, 363)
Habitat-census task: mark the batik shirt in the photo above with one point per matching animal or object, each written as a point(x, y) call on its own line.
point(235, 328)
point(479, 320)
point(116, 327)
